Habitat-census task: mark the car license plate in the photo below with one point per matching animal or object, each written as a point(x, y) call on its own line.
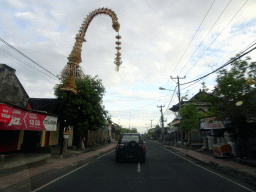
point(130, 156)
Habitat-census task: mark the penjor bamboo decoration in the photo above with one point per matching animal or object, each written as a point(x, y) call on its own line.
point(73, 70)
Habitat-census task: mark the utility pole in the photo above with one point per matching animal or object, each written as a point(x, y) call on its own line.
point(162, 120)
point(130, 120)
point(179, 91)
point(151, 125)
point(179, 101)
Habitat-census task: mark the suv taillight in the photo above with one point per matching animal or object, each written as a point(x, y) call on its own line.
point(117, 147)
point(143, 147)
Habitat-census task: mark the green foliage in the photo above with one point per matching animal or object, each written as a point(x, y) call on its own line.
point(120, 130)
point(185, 97)
point(134, 130)
point(123, 130)
point(190, 117)
point(231, 88)
point(84, 110)
point(157, 127)
point(204, 87)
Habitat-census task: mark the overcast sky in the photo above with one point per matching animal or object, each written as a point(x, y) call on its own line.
point(156, 44)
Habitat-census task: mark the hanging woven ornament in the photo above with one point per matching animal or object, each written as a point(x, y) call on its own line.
point(118, 54)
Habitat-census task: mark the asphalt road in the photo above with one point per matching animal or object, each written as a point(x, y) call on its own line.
point(163, 171)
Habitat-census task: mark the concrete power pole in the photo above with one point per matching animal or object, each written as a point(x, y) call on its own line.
point(162, 120)
point(151, 125)
point(179, 100)
point(179, 91)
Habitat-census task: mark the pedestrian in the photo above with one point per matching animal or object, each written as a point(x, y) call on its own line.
point(65, 136)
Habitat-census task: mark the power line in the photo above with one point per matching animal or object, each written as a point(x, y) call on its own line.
point(194, 35)
point(169, 103)
point(206, 35)
point(5, 53)
point(192, 39)
point(229, 62)
point(26, 56)
point(246, 48)
point(170, 100)
point(217, 36)
point(139, 99)
point(145, 105)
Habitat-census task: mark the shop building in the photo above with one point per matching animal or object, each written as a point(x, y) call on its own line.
point(21, 128)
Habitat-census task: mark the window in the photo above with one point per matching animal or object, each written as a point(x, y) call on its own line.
point(128, 138)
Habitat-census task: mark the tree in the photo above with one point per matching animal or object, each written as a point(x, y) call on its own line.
point(84, 110)
point(157, 127)
point(190, 119)
point(125, 130)
point(134, 130)
point(232, 89)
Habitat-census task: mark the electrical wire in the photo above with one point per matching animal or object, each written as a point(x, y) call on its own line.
point(192, 39)
point(217, 37)
point(168, 105)
point(143, 106)
point(194, 35)
point(229, 62)
point(26, 56)
point(138, 99)
point(13, 58)
point(206, 36)
point(171, 99)
point(246, 48)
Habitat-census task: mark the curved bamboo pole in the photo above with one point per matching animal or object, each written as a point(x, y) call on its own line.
point(73, 70)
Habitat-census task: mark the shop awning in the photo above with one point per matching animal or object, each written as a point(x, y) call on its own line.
point(15, 118)
point(175, 122)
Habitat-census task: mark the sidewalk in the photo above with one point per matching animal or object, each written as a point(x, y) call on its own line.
point(15, 175)
point(227, 166)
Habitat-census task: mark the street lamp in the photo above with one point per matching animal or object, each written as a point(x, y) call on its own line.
point(161, 88)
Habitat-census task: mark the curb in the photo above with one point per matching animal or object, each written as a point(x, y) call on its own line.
point(240, 175)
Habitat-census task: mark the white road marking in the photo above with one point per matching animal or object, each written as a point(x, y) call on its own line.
point(206, 169)
point(67, 174)
point(138, 167)
point(59, 178)
point(105, 154)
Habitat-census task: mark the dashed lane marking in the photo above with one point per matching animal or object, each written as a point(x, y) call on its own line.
point(138, 167)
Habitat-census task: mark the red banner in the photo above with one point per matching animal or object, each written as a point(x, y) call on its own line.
point(26, 120)
point(5, 113)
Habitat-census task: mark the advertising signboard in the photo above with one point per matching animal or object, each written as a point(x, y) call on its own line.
point(5, 114)
point(19, 119)
point(211, 123)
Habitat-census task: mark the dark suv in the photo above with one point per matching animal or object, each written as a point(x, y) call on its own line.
point(131, 146)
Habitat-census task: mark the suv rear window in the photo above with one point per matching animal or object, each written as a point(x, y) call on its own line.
point(128, 138)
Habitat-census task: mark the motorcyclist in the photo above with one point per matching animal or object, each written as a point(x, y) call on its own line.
point(108, 140)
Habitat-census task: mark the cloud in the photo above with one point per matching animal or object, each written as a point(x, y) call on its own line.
point(155, 35)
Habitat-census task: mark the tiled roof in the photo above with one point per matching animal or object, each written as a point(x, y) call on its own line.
point(45, 104)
